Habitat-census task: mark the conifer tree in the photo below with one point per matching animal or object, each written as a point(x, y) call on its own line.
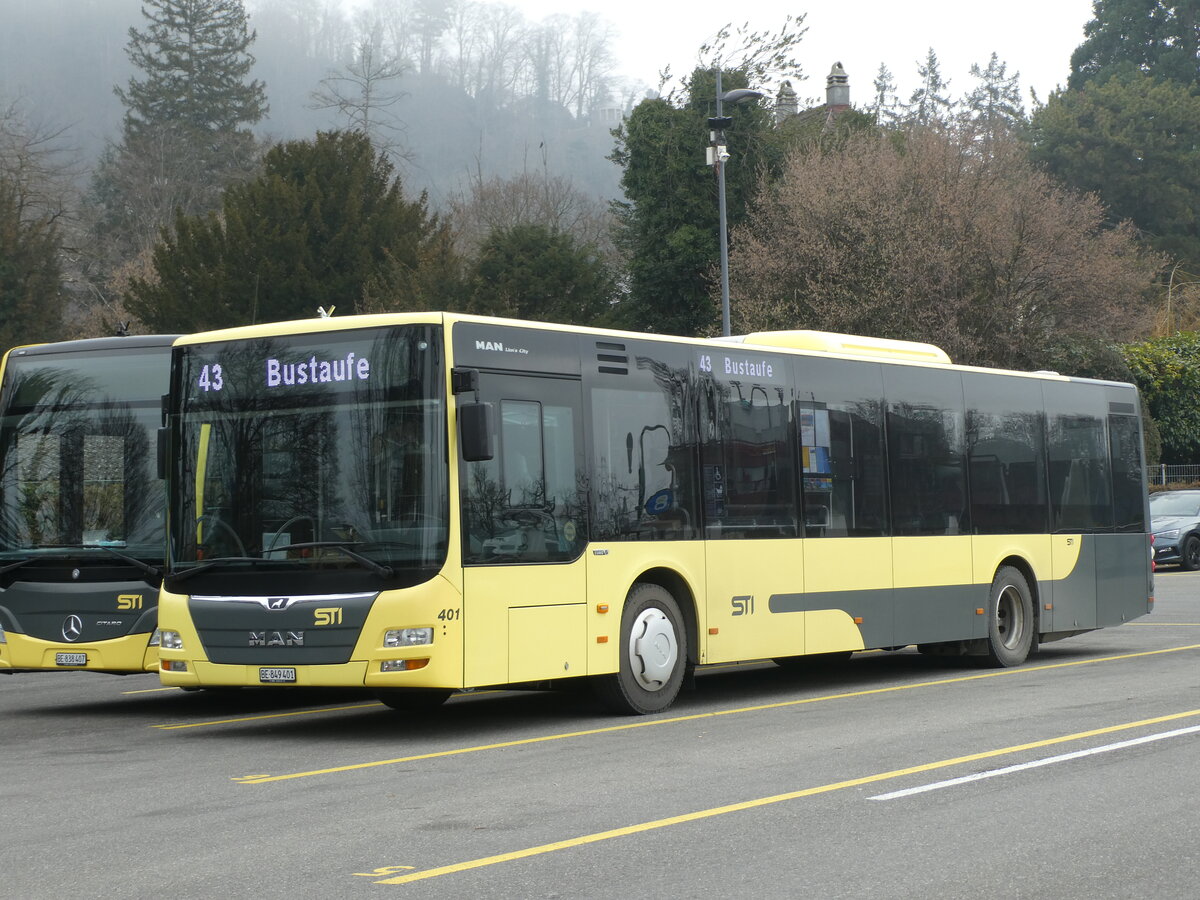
point(884, 101)
point(325, 221)
point(994, 104)
point(194, 56)
point(186, 128)
point(930, 103)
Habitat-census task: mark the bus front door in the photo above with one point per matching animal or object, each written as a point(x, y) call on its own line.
point(524, 529)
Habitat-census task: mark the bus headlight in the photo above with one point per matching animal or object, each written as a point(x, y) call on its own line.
point(170, 640)
point(407, 637)
point(3, 636)
point(155, 639)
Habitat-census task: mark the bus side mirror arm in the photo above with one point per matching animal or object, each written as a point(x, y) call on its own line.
point(474, 417)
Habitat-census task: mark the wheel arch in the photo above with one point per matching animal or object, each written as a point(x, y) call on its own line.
point(1035, 592)
point(685, 597)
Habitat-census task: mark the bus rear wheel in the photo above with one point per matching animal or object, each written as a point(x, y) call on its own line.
point(1011, 623)
point(653, 654)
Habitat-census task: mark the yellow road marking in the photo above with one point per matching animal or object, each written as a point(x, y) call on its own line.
point(156, 690)
point(284, 715)
point(777, 798)
point(649, 723)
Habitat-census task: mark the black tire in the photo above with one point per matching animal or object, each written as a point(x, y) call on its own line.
point(653, 654)
point(1012, 627)
point(1189, 553)
point(413, 699)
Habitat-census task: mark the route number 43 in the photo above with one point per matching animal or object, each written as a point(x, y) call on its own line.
point(211, 378)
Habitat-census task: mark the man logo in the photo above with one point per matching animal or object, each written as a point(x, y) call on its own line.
point(72, 629)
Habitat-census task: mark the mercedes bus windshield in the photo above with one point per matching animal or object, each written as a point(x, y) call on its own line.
point(76, 450)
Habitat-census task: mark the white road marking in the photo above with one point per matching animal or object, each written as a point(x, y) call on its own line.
point(1049, 760)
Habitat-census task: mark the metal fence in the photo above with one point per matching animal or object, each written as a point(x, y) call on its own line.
point(1164, 474)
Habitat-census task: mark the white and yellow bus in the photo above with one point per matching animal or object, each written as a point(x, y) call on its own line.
point(419, 503)
point(82, 508)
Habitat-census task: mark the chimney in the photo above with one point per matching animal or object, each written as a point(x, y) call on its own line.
point(786, 102)
point(837, 90)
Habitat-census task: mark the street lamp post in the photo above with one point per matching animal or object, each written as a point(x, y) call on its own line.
point(718, 156)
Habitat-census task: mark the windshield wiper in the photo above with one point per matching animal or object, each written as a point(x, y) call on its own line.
point(152, 571)
point(17, 565)
point(180, 574)
point(344, 546)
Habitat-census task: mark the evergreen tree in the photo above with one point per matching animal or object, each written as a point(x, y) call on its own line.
point(668, 222)
point(532, 272)
point(1135, 141)
point(186, 121)
point(884, 103)
point(994, 104)
point(930, 103)
point(1131, 36)
point(194, 55)
point(325, 221)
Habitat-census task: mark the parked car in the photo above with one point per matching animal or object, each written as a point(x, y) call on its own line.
point(1175, 521)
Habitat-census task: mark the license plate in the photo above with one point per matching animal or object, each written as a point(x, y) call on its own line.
point(70, 659)
point(277, 675)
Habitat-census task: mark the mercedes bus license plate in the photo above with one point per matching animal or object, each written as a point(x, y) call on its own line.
point(277, 675)
point(70, 659)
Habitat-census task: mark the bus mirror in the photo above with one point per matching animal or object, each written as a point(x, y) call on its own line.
point(475, 422)
point(163, 437)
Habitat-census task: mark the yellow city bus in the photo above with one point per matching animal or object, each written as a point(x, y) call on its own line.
point(82, 525)
point(423, 502)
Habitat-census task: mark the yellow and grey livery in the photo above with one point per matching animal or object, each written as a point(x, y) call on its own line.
point(420, 503)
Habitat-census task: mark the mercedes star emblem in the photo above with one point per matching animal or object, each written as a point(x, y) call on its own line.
point(72, 628)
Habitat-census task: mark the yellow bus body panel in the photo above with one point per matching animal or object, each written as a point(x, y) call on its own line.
point(130, 653)
point(743, 576)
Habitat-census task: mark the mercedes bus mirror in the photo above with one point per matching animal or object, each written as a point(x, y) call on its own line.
point(475, 423)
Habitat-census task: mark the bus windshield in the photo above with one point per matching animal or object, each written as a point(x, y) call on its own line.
point(77, 466)
point(311, 452)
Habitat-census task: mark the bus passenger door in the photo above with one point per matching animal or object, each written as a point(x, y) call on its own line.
point(524, 528)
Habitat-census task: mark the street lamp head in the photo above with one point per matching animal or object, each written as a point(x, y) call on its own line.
point(740, 94)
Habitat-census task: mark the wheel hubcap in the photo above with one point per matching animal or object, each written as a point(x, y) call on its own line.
point(653, 649)
point(1010, 617)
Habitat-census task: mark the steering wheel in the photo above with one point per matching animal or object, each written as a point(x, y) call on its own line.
point(219, 523)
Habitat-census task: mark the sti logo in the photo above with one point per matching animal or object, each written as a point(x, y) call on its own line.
point(129, 601)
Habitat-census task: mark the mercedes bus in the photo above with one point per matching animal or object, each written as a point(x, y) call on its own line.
point(82, 508)
point(425, 502)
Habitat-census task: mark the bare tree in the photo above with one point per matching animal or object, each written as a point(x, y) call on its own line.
point(531, 198)
point(364, 91)
point(984, 255)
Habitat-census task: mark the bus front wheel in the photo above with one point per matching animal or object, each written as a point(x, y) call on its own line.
point(1011, 623)
point(653, 654)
